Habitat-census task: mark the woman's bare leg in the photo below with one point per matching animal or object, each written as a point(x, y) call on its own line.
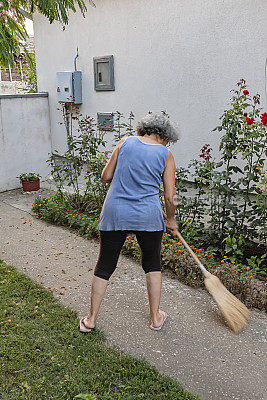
point(153, 282)
point(98, 291)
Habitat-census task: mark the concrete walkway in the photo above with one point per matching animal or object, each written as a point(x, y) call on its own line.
point(194, 347)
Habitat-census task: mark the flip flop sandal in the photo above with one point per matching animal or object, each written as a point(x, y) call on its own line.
point(159, 327)
point(83, 328)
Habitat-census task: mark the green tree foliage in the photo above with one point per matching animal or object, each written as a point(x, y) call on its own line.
point(12, 21)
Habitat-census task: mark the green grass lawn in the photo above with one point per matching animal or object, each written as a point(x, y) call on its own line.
point(43, 355)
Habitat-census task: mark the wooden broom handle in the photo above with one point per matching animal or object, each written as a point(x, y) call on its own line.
point(190, 251)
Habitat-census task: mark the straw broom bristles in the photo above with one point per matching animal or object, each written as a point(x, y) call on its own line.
point(233, 310)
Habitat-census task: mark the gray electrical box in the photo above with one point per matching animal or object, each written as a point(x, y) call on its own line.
point(105, 121)
point(69, 87)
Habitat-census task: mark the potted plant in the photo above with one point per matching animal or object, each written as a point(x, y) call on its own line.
point(30, 181)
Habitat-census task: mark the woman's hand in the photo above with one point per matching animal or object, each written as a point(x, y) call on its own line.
point(171, 224)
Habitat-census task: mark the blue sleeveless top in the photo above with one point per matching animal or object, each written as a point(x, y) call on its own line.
point(132, 202)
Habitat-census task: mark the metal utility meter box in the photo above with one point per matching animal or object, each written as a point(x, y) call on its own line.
point(69, 87)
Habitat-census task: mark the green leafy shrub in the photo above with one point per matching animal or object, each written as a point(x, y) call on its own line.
point(30, 76)
point(81, 165)
point(229, 200)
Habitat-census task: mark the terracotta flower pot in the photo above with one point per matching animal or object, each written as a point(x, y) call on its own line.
point(31, 185)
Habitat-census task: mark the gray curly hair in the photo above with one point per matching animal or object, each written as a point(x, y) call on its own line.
point(159, 124)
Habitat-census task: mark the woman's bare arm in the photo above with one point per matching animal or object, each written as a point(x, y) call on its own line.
point(108, 170)
point(170, 193)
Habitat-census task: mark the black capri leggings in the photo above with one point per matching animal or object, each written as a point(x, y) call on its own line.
point(111, 243)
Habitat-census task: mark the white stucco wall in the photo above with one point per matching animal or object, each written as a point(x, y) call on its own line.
point(180, 56)
point(25, 139)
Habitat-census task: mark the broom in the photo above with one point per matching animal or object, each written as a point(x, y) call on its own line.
point(233, 310)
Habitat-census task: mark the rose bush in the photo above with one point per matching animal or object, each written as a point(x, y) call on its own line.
point(230, 193)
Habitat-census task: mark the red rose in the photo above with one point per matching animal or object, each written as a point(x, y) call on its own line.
point(246, 92)
point(249, 121)
point(245, 114)
point(264, 118)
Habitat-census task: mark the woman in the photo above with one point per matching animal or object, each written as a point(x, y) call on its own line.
point(132, 204)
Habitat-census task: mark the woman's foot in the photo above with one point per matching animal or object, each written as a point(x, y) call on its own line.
point(88, 322)
point(158, 321)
